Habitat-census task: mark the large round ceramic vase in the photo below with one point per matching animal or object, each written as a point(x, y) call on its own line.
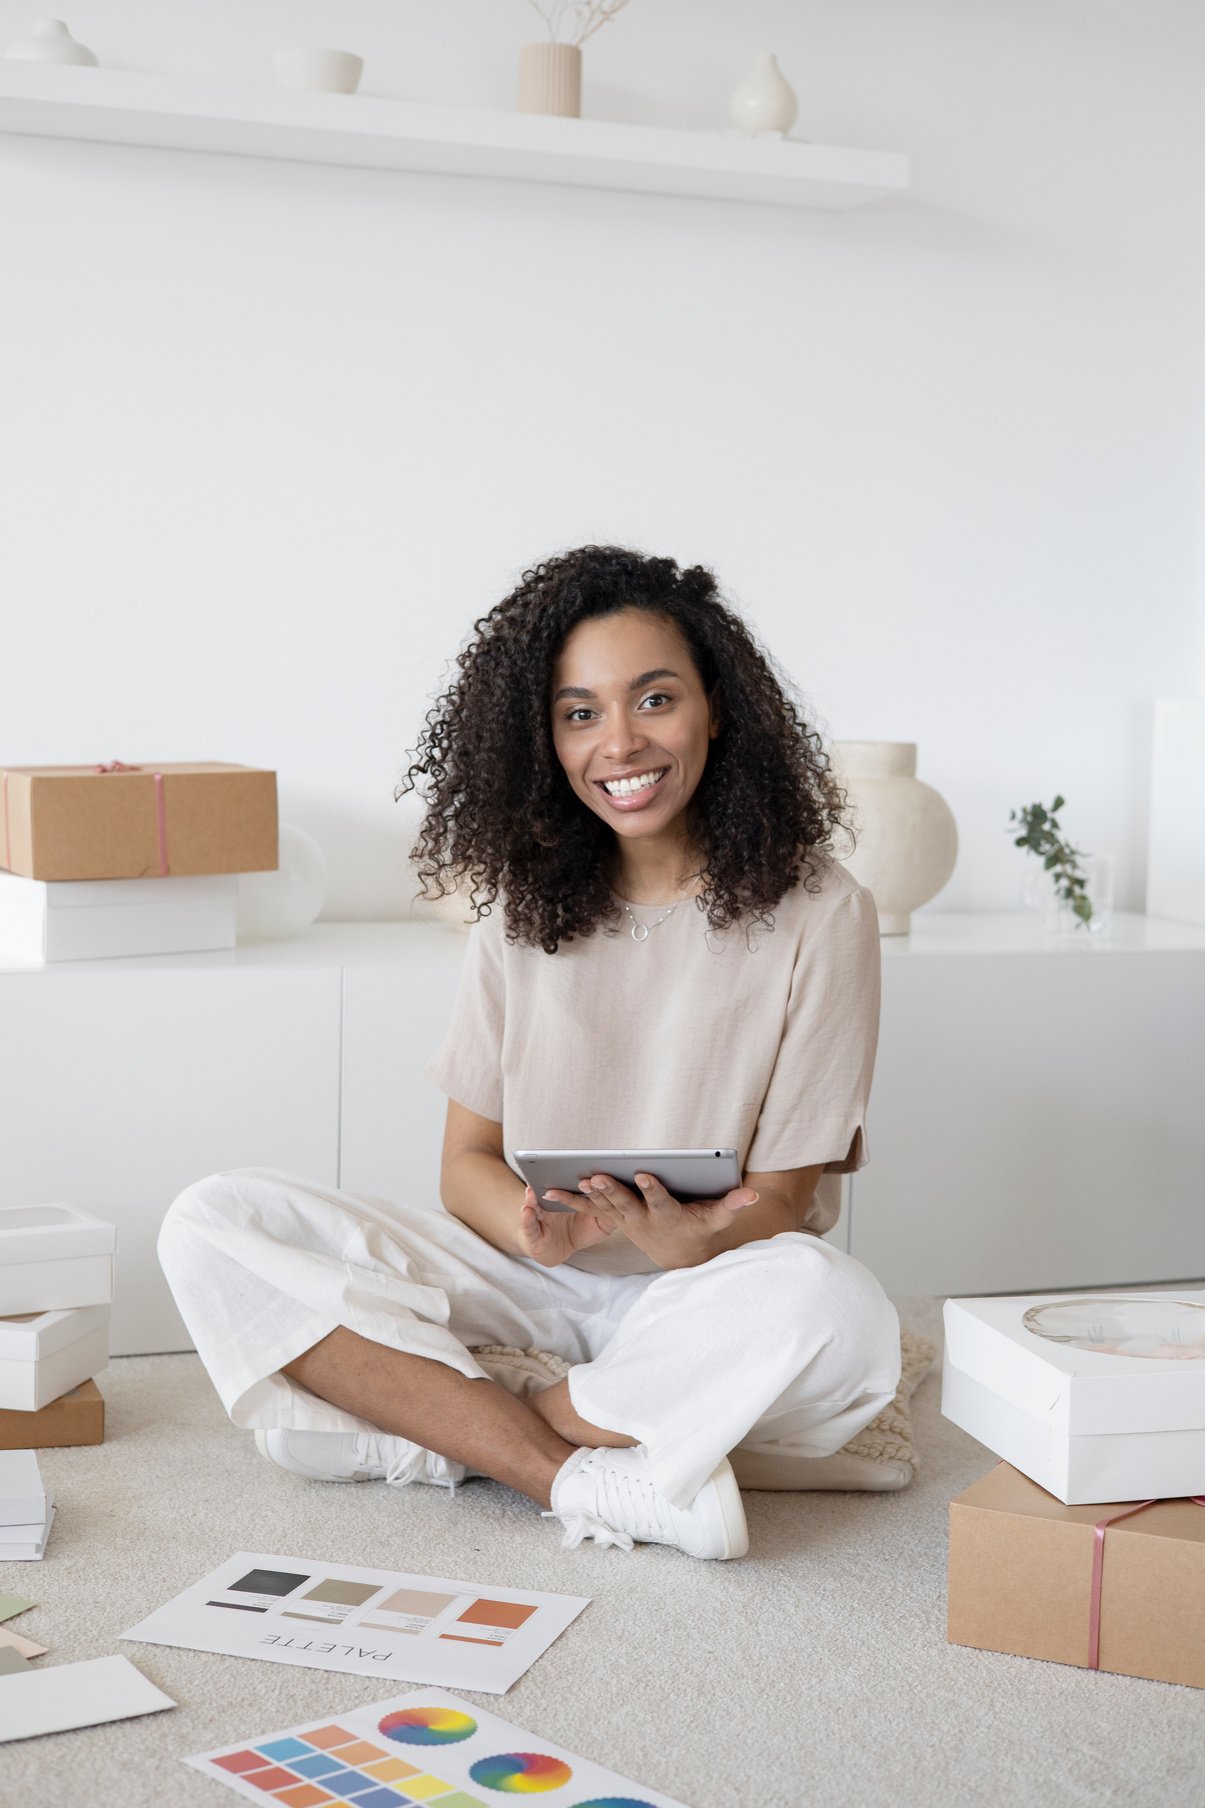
point(550, 79)
point(907, 839)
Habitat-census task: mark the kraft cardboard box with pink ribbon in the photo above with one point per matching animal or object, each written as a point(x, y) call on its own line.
point(1110, 1586)
point(119, 821)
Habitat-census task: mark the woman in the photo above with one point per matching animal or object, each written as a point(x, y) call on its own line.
point(677, 961)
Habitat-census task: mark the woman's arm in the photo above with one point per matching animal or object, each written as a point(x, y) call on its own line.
point(784, 1202)
point(475, 1183)
point(477, 1186)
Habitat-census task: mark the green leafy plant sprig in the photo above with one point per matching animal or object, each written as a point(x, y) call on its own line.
point(1042, 836)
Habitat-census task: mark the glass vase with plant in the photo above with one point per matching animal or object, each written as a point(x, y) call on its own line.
point(1041, 834)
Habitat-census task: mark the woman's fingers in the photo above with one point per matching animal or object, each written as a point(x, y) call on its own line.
point(656, 1197)
point(607, 1195)
point(733, 1203)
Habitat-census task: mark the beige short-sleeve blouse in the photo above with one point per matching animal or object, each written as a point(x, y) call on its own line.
point(762, 1040)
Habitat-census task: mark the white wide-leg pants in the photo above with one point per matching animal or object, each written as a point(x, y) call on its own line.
point(788, 1342)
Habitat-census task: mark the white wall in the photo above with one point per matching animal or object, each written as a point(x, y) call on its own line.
point(271, 435)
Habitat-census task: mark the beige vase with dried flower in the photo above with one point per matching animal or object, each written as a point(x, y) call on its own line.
point(550, 79)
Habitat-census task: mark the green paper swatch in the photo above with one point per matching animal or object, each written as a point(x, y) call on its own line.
point(11, 1659)
point(11, 1604)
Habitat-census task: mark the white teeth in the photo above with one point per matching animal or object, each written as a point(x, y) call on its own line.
point(624, 787)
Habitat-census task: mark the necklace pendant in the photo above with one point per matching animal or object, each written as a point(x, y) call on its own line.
point(640, 932)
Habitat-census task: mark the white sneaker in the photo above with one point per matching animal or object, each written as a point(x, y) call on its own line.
point(343, 1456)
point(351, 1456)
point(606, 1495)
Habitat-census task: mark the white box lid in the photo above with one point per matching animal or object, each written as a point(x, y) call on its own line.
point(1082, 1393)
point(28, 1336)
point(88, 894)
point(51, 1233)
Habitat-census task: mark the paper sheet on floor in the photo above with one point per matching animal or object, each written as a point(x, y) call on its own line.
point(17, 1642)
point(54, 1699)
point(426, 1747)
point(374, 1622)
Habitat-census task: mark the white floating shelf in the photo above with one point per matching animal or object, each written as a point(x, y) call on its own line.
point(362, 131)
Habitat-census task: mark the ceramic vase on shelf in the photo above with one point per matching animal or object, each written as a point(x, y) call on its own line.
point(765, 102)
point(50, 42)
point(550, 79)
point(907, 840)
point(318, 71)
point(287, 900)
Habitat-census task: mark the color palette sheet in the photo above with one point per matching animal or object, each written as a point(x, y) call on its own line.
point(330, 1616)
point(424, 1748)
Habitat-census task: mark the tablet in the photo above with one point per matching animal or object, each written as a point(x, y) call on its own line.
point(685, 1173)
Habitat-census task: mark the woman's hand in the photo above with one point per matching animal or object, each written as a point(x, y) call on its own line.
point(674, 1233)
point(550, 1238)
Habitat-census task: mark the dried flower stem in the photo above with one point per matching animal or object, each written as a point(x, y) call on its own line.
point(591, 15)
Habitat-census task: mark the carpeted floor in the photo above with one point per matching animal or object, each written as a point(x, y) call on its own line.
point(816, 1670)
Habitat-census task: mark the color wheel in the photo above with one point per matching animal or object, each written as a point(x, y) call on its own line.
point(520, 1773)
point(613, 1801)
point(427, 1726)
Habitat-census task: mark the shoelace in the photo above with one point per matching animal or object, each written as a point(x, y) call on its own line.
point(624, 1498)
point(407, 1465)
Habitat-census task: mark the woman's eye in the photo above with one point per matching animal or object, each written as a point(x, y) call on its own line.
point(653, 697)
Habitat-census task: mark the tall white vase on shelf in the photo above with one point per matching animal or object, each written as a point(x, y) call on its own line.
point(765, 102)
point(1175, 867)
point(907, 839)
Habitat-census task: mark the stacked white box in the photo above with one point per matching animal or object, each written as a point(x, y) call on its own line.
point(54, 1256)
point(1084, 1424)
point(56, 1287)
point(26, 1510)
point(97, 919)
point(45, 1354)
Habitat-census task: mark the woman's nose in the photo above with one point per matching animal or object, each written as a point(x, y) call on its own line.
point(622, 739)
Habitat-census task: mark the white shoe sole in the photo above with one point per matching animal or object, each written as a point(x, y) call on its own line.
point(731, 1510)
point(264, 1446)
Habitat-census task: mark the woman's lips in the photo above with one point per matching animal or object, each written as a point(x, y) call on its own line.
point(635, 800)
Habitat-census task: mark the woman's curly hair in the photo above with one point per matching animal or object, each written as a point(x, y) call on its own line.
point(501, 814)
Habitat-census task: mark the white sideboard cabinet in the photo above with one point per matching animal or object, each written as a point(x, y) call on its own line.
point(1037, 1118)
point(1038, 1114)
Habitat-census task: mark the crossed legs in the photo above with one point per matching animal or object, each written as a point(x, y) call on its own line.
point(472, 1421)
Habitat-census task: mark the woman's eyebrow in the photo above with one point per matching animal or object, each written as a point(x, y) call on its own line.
point(576, 690)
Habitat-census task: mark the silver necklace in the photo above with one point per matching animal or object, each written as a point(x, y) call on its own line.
point(641, 931)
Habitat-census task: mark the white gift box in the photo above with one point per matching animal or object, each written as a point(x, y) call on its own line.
point(45, 1354)
point(93, 919)
point(1085, 1424)
point(53, 1256)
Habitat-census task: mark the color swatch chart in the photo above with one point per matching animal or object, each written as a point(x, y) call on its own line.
point(329, 1616)
point(427, 1747)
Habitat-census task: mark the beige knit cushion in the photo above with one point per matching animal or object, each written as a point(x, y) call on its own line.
point(880, 1458)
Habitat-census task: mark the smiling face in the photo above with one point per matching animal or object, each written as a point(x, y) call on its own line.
point(628, 706)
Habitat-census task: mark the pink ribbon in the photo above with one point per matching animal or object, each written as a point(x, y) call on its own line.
point(160, 809)
point(1098, 1566)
